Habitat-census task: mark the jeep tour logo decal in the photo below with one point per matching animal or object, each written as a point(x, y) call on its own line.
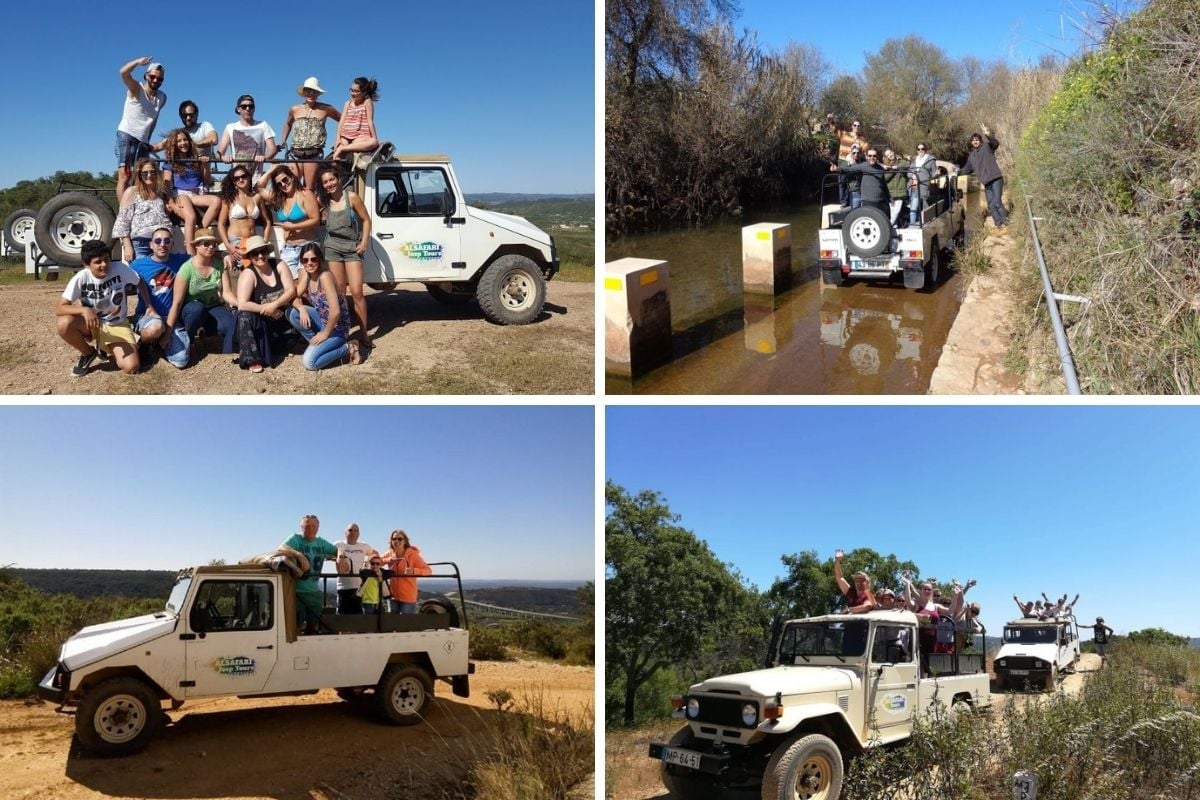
point(895, 702)
point(234, 665)
point(422, 251)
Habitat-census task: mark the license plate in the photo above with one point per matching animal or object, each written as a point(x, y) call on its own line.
point(684, 758)
point(1018, 672)
point(873, 264)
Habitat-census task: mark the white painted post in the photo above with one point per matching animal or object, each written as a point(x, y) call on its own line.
point(1025, 785)
point(637, 316)
point(766, 258)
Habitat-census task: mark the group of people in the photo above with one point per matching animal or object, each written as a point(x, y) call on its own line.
point(246, 298)
point(368, 580)
point(947, 622)
point(892, 182)
point(1047, 610)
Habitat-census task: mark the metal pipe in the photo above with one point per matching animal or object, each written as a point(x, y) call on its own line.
point(1060, 334)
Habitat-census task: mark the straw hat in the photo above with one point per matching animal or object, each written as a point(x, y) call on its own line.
point(253, 243)
point(204, 235)
point(310, 83)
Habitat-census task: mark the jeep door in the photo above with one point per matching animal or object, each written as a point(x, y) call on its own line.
point(415, 225)
point(891, 683)
point(234, 644)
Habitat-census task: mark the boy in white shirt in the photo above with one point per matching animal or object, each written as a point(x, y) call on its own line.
point(93, 306)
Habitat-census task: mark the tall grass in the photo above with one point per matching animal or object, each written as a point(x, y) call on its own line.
point(534, 752)
point(1132, 731)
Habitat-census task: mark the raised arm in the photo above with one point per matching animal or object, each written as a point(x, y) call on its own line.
point(126, 73)
point(287, 126)
point(842, 584)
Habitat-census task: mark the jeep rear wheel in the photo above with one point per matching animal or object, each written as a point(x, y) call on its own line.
point(808, 769)
point(118, 717)
point(866, 231)
point(511, 291)
point(684, 783)
point(68, 220)
point(18, 228)
point(403, 694)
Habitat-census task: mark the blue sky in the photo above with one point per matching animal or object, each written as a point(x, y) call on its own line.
point(1096, 500)
point(506, 492)
point(506, 89)
point(1017, 31)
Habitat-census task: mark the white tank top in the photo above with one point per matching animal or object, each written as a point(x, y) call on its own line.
point(141, 113)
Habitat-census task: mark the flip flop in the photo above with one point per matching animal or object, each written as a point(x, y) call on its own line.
point(256, 368)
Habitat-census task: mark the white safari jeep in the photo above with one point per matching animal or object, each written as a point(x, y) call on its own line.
point(1036, 651)
point(422, 231)
point(862, 242)
point(838, 684)
point(231, 630)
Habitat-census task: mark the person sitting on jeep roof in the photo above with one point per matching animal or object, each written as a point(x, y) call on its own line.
point(858, 598)
point(873, 186)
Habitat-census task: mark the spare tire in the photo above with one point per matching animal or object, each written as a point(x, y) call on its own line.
point(866, 231)
point(68, 220)
point(18, 228)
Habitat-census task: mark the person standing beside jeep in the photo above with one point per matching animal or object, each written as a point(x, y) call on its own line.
point(1100, 634)
point(143, 102)
point(982, 163)
point(310, 595)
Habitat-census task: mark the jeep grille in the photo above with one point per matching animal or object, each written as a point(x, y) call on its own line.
point(721, 710)
point(1024, 662)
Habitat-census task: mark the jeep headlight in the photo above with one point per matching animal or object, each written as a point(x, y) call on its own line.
point(1003, 662)
point(693, 708)
point(749, 715)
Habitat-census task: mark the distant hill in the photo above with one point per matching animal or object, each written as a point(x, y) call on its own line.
point(552, 597)
point(545, 211)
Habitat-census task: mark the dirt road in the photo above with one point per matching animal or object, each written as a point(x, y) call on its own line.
point(291, 747)
point(632, 775)
point(420, 347)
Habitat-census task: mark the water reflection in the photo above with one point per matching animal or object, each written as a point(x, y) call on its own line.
point(857, 339)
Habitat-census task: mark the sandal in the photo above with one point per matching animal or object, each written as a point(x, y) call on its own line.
point(355, 353)
point(256, 368)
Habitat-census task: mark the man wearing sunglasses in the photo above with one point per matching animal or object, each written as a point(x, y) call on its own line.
point(204, 135)
point(139, 115)
point(247, 139)
point(158, 271)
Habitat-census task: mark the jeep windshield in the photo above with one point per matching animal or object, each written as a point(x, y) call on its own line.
point(804, 640)
point(175, 601)
point(1031, 635)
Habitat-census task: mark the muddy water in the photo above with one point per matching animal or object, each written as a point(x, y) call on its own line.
point(861, 338)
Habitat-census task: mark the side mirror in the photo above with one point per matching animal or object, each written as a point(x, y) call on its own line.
point(198, 619)
point(447, 205)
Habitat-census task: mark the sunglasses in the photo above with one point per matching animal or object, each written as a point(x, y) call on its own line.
point(187, 114)
point(161, 240)
point(284, 179)
point(310, 260)
point(240, 177)
point(264, 254)
point(245, 106)
point(205, 243)
point(147, 173)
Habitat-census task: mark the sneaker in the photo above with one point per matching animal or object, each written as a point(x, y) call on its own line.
point(84, 364)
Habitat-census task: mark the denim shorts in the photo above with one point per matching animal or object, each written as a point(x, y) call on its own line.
point(128, 150)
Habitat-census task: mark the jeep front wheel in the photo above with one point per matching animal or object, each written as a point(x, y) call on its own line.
point(808, 769)
point(403, 694)
point(118, 717)
point(684, 783)
point(511, 291)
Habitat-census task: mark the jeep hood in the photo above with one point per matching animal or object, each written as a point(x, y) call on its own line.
point(1046, 652)
point(512, 223)
point(788, 680)
point(100, 641)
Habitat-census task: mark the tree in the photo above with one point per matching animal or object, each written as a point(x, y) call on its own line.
point(586, 595)
point(911, 89)
point(1158, 636)
point(667, 596)
point(654, 39)
point(843, 98)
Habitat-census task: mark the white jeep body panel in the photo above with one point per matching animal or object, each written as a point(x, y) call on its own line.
point(96, 642)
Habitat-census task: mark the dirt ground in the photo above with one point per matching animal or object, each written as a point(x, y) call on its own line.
point(631, 775)
point(291, 747)
point(420, 347)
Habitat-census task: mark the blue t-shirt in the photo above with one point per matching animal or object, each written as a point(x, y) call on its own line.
point(316, 552)
point(160, 280)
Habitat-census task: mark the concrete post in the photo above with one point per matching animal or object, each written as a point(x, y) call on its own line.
point(766, 258)
point(637, 316)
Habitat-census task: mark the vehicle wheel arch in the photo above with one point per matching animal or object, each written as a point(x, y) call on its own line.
point(832, 726)
point(421, 660)
point(513, 249)
point(92, 679)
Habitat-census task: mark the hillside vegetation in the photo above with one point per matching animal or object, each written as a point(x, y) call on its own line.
point(1111, 162)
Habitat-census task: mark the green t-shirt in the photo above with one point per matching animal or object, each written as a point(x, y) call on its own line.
point(316, 552)
point(206, 290)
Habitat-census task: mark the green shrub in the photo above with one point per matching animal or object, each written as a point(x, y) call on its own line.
point(489, 644)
